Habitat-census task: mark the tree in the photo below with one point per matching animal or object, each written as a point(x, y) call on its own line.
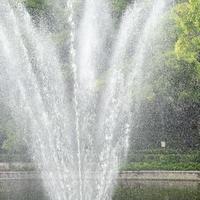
point(187, 47)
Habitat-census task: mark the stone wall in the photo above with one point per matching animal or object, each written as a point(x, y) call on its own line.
point(161, 175)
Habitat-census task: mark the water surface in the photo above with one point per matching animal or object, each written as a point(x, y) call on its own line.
point(33, 190)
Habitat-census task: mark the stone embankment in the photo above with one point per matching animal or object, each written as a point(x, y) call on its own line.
point(27, 171)
point(161, 175)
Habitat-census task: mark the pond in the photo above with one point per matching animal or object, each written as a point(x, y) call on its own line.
point(158, 190)
point(32, 190)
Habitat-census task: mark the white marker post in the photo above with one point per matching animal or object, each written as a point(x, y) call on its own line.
point(163, 144)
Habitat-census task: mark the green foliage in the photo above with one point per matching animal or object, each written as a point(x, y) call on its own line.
point(11, 140)
point(13, 143)
point(119, 6)
point(14, 157)
point(187, 47)
point(188, 20)
point(161, 166)
point(176, 65)
point(163, 160)
point(35, 4)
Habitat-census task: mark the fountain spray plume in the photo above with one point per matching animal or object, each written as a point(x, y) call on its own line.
point(34, 97)
point(77, 145)
point(85, 61)
point(142, 49)
point(112, 103)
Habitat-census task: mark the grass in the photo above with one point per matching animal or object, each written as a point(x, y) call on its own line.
point(163, 160)
point(161, 166)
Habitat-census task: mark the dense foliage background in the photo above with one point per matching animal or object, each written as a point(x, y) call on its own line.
point(171, 102)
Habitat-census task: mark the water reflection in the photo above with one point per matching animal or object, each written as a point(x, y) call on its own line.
point(158, 190)
point(21, 190)
point(134, 190)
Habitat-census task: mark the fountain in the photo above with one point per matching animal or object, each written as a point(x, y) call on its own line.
point(78, 128)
